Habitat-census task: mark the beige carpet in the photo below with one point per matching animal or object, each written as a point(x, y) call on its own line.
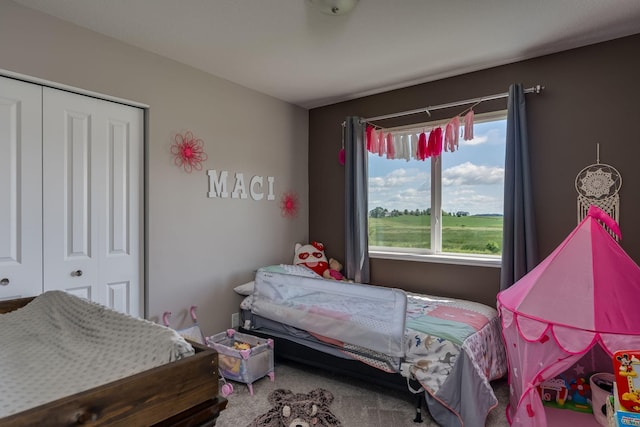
point(356, 403)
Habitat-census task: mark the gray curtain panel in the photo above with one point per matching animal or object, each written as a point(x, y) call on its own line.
point(356, 201)
point(519, 243)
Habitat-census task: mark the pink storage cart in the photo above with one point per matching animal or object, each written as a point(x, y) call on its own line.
point(243, 358)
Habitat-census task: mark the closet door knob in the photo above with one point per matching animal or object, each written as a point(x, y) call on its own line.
point(4, 282)
point(76, 273)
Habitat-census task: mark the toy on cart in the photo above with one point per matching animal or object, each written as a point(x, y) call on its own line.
point(243, 358)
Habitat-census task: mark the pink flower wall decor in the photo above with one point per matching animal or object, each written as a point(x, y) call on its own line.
point(289, 205)
point(188, 151)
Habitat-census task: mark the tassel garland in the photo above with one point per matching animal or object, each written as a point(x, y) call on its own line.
point(420, 146)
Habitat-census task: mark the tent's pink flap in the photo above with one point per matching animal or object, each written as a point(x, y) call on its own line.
point(506, 316)
point(616, 342)
point(531, 329)
point(574, 341)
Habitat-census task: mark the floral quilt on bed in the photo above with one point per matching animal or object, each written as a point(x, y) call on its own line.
point(438, 329)
point(455, 348)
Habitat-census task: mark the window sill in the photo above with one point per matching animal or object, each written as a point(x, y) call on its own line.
point(471, 260)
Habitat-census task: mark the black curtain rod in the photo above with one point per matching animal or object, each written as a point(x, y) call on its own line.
point(533, 89)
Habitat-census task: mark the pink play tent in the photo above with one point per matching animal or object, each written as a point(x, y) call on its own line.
point(585, 294)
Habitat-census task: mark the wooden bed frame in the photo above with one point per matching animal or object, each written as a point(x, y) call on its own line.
point(183, 393)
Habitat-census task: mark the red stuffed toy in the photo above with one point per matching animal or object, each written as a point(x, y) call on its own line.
point(311, 256)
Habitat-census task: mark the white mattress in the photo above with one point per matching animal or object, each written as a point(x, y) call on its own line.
point(59, 344)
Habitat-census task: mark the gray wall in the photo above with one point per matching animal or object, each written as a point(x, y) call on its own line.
point(199, 248)
point(590, 97)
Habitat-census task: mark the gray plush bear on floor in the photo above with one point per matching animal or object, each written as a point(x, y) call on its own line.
point(298, 410)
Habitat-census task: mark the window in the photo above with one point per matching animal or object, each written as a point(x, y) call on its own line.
point(465, 186)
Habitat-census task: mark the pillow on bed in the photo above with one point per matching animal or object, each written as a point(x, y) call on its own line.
point(247, 303)
point(245, 289)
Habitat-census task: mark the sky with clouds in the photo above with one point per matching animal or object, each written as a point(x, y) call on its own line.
point(472, 177)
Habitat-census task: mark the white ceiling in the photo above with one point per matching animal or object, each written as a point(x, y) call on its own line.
point(288, 50)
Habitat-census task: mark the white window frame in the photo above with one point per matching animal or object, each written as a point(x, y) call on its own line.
point(435, 254)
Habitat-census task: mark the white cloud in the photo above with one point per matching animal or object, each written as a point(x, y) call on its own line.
point(477, 140)
point(475, 203)
point(399, 178)
point(400, 189)
point(469, 174)
point(375, 182)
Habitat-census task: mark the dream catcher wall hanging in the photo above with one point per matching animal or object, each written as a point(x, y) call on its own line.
point(598, 185)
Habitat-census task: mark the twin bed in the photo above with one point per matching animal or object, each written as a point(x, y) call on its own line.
point(66, 361)
point(451, 348)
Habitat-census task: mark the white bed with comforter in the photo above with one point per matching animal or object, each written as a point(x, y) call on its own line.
point(452, 347)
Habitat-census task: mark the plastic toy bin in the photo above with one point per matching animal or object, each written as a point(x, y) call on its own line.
point(238, 363)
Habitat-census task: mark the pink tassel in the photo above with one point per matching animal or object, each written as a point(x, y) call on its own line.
point(448, 136)
point(437, 149)
point(390, 149)
point(369, 137)
point(374, 142)
point(468, 126)
point(421, 153)
point(431, 146)
point(382, 145)
point(451, 135)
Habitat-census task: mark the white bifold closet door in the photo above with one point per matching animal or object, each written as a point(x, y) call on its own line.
point(20, 189)
point(92, 199)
